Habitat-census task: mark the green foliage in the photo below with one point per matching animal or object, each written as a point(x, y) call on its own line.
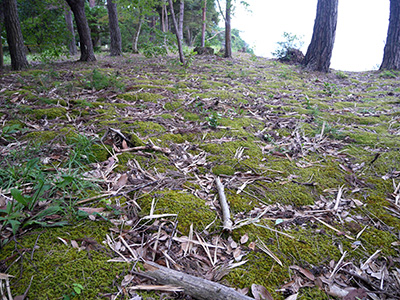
point(291, 41)
point(51, 53)
point(98, 80)
point(76, 291)
point(330, 89)
point(388, 74)
point(213, 119)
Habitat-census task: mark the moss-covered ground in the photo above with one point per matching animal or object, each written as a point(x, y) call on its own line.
point(316, 155)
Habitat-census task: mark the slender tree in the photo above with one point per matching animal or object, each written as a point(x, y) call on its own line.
point(115, 33)
point(14, 36)
point(319, 52)
point(391, 53)
point(70, 26)
point(203, 28)
point(1, 39)
point(179, 41)
point(228, 34)
point(181, 15)
point(78, 8)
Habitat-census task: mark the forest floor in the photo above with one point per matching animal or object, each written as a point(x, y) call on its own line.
point(109, 164)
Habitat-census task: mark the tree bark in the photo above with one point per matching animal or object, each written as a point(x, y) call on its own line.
point(203, 29)
point(181, 15)
point(115, 33)
point(198, 288)
point(1, 39)
point(391, 53)
point(228, 35)
point(78, 8)
point(137, 33)
point(181, 56)
point(70, 26)
point(14, 36)
point(319, 52)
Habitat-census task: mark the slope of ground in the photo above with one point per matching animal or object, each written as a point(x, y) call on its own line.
point(106, 164)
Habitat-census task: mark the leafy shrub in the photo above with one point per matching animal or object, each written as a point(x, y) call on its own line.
point(287, 47)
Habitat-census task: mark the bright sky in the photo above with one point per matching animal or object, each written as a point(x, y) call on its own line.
point(360, 34)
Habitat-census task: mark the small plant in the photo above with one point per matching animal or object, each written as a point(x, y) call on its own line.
point(308, 103)
point(76, 291)
point(213, 119)
point(51, 54)
point(330, 89)
point(190, 56)
point(341, 75)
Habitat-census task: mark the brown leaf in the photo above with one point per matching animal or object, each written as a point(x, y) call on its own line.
point(260, 293)
point(305, 272)
point(91, 210)
point(252, 246)
point(124, 144)
point(356, 294)
point(121, 182)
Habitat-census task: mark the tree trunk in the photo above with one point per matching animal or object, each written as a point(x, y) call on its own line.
point(228, 36)
point(203, 29)
point(181, 13)
point(136, 36)
point(92, 3)
point(181, 56)
point(14, 35)
point(319, 52)
point(391, 54)
point(115, 33)
point(1, 39)
point(70, 26)
point(78, 8)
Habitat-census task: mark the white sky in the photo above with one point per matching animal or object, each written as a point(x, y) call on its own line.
point(360, 34)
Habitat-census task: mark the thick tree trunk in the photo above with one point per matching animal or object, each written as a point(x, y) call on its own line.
point(181, 15)
point(78, 8)
point(181, 56)
point(14, 35)
point(319, 52)
point(228, 36)
point(115, 33)
point(203, 29)
point(391, 54)
point(70, 26)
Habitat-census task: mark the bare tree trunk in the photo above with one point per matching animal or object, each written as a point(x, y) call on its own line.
point(92, 3)
point(14, 35)
point(181, 15)
point(70, 26)
point(115, 33)
point(181, 56)
point(203, 29)
point(78, 8)
point(1, 39)
point(137, 33)
point(391, 54)
point(166, 22)
point(319, 52)
point(228, 36)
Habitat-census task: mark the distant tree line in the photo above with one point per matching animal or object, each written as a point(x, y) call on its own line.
point(154, 27)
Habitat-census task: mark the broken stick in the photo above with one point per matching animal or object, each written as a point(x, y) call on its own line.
point(198, 288)
point(226, 214)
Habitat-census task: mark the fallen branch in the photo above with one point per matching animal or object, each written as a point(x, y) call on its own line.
point(226, 214)
point(147, 147)
point(196, 287)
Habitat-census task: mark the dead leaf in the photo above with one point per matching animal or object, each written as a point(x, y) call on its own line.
point(260, 292)
point(292, 297)
point(244, 239)
point(74, 244)
point(91, 210)
point(305, 272)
